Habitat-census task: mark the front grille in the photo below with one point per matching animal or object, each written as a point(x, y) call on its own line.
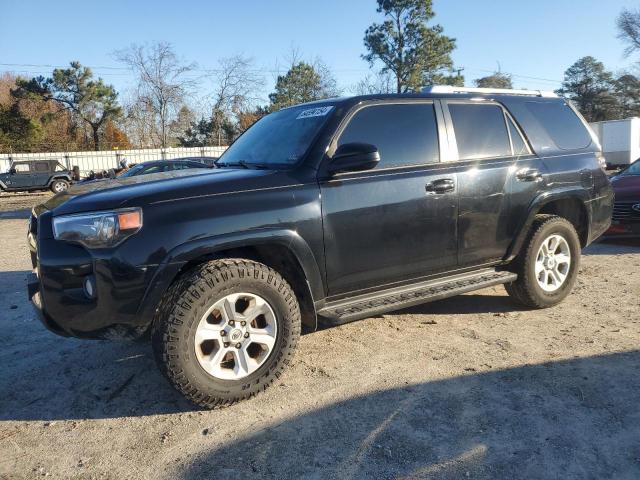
point(623, 211)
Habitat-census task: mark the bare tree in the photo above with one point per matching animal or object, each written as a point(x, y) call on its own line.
point(375, 84)
point(163, 82)
point(628, 23)
point(236, 92)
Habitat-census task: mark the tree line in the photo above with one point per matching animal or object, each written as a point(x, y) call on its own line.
point(73, 110)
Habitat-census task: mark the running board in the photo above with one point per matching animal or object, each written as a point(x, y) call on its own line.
point(364, 306)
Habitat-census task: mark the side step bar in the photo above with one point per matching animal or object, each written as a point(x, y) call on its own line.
point(364, 306)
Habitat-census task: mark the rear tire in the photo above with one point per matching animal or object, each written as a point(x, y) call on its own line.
point(548, 265)
point(210, 343)
point(59, 185)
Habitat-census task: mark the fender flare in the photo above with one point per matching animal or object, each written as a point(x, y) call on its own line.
point(537, 204)
point(58, 177)
point(184, 253)
point(2, 185)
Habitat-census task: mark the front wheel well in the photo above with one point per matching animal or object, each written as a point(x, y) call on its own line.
point(572, 210)
point(282, 260)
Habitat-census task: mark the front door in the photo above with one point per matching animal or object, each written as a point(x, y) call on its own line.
point(396, 222)
point(22, 178)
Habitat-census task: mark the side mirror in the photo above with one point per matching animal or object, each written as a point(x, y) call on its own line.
point(112, 173)
point(12, 171)
point(354, 157)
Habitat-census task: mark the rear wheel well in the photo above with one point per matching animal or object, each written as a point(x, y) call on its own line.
point(282, 260)
point(574, 211)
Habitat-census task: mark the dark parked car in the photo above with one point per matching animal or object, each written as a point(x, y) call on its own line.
point(626, 210)
point(36, 175)
point(158, 166)
point(324, 212)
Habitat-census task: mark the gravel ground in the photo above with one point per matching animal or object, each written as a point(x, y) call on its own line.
point(469, 387)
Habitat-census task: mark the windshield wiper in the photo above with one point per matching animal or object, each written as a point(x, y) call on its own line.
point(244, 164)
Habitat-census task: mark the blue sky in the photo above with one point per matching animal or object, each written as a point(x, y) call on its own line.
point(530, 39)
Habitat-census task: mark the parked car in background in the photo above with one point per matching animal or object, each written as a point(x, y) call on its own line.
point(325, 212)
point(31, 175)
point(208, 161)
point(157, 166)
point(625, 221)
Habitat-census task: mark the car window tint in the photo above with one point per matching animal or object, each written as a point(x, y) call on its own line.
point(561, 124)
point(519, 146)
point(41, 166)
point(22, 167)
point(481, 131)
point(405, 134)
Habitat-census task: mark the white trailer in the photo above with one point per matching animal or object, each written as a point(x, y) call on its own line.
point(620, 140)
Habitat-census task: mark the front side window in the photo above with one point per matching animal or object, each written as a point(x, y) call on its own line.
point(405, 134)
point(481, 131)
point(21, 168)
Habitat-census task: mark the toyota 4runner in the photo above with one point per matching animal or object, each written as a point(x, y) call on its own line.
point(324, 212)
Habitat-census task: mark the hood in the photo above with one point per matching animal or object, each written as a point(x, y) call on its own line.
point(145, 189)
point(626, 187)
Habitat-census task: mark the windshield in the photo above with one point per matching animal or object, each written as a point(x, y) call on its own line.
point(634, 169)
point(279, 139)
point(132, 171)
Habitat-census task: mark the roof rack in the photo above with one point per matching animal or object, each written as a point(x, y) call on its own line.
point(502, 91)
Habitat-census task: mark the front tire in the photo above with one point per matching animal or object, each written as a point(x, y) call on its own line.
point(548, 264)
point(225, 331)
point(59, 185)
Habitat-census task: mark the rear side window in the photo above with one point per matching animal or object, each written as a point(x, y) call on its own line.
point(481, 131)
point(561, 124)
point(41, 166)
point(405, 134)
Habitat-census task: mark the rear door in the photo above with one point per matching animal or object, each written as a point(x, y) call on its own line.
point(41, 173)
point(497, 174)
point(396, 222)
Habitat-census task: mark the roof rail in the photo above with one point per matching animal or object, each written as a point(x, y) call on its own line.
point(502, 91)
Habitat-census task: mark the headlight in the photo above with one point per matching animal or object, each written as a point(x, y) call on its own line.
point(98, 229)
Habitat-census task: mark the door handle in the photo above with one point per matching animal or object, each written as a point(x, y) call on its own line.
point(442, 185)
point(528, 175)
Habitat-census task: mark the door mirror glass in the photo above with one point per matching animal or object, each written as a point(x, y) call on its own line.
point(354, 157)
point(12, 170)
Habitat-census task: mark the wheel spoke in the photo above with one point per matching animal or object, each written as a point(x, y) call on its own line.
point(228, 310)
point(562, 258)
point(241, 366)
point(265, 339)
point(206, 331)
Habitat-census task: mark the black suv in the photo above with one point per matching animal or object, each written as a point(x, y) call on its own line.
point(331, 211)
point(36, 175)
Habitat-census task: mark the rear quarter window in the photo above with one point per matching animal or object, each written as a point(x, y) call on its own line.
point(561, 124)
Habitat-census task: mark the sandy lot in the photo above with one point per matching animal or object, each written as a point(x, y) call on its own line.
point(469, 387)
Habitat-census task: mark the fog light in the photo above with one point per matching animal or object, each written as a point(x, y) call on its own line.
point(90, 287)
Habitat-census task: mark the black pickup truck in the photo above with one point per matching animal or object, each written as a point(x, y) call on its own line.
point(324, 212)
point(28, 175)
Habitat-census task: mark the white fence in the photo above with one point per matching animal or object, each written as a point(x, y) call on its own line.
point(104, 160)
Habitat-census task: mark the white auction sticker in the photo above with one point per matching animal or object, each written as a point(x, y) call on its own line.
point(314, 112)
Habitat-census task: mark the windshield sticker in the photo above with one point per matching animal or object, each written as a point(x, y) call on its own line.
point(314, 112)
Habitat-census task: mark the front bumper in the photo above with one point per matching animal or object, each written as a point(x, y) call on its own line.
point(33, 290)
point(121, 306)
